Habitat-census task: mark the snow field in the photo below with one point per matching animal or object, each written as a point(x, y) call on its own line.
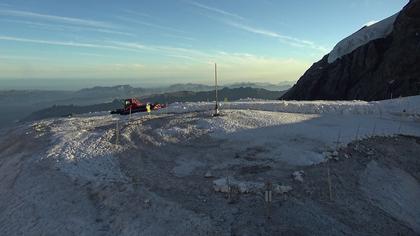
point(296, 133)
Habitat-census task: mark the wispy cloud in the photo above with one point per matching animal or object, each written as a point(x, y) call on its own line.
point(182, 56)
point(145, 23)
point(215, 10)
point(63, 43)
point(54, 18)
point(179, 37)
point(197, 55)
point(168, 51)
point(136, 13)
point(66, 28)
point(161, 48)
point(91, 54)
point(292, 41)
point(137, 46)
point(25, 58)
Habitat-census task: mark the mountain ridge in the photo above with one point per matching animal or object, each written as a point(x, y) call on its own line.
point(380, 69)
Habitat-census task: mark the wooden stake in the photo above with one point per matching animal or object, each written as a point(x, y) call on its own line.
point(374, 129)
point(338, 140)
point(268, 198)
point(399, 127)
point(329, 181)
point(357, 132)
point(117, 131)
point(229, 189)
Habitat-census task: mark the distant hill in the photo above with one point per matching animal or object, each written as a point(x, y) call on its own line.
point(268, 86)
point(187, 87)
point(225, 93)
point(68, 110)
point(18, 104)
point(182, 96)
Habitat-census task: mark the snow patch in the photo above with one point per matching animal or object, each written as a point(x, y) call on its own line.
point(366, 34)
point(394, 191)
point(186, 167)
point(305, 107)
point(81, 148)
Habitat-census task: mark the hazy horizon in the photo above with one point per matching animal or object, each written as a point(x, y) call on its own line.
point(77, 84)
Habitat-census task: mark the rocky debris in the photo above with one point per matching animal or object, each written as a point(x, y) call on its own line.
point(298, 175)
point(327, 155)
point(364, 150)
point(39, 127)
point(208, 174)
point(282, 189)
point(370, 152)
point(147, 203)
point(334, 156)
point(229, 185)
point(381, 69)
point(331, 155)
point(224, 185)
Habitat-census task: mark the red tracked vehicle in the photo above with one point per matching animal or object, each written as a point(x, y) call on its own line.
point(132, 105)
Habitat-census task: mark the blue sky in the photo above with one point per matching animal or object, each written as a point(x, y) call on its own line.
point(165, 41)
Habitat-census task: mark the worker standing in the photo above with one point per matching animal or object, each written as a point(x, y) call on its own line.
point(148, 108)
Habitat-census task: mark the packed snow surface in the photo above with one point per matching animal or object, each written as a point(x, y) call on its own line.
point(366, 34)
point(394, 191)
point(102, 174)
point(293, 132)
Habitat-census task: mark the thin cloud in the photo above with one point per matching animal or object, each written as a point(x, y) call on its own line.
point(296, 42)
point(140, 46)
point(216, 10)
point(2, 57)
point(136, 13)
point(137, 46)
point(166, 28)
point(179, 37)
point(182, 57)
point(67, 27)
point(91, 54)
point(165, 50)
point(196, 55)
point(63, 43)
point(54, 18)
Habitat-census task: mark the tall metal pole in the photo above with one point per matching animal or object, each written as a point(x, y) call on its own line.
point(216, 112)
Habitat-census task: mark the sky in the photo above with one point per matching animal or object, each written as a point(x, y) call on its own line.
point(175, 41)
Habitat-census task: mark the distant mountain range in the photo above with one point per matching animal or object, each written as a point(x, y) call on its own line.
point(19, 104)
point(377, 62)
point(192, 87)
point(180, 96)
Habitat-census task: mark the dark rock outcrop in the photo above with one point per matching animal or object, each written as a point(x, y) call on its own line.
point(381, 69)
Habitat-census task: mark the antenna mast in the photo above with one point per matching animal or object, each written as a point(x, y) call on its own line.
point(216, 109)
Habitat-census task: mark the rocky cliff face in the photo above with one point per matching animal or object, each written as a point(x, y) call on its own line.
point(380, 69)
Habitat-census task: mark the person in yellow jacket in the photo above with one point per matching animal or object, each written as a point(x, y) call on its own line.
point(148, 108)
